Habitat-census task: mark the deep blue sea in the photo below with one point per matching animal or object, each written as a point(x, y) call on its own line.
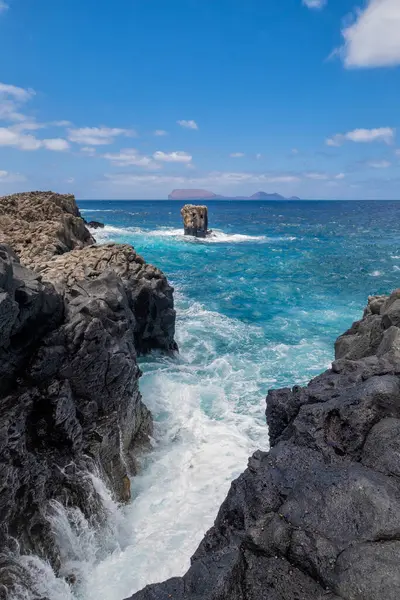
point(259, 305)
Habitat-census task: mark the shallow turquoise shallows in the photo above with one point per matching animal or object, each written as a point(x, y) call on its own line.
point(259, 305)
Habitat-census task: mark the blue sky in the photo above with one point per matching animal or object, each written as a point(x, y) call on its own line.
point(133, 98)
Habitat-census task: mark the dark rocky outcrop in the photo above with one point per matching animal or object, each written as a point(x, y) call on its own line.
point(318, 516)
point(195, 220)
point(70, 332)
point(95, 224)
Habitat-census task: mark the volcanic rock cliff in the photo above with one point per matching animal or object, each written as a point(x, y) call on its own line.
point(318, 516)
point(70, 332)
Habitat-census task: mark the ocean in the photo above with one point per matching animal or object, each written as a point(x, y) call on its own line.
point(259, 305)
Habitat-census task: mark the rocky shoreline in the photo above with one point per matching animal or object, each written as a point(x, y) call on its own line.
point(315, 518)
point(73, 318)
point(318, 516)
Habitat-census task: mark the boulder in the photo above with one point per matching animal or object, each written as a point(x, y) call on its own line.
point(95, 224)
point(195, 220)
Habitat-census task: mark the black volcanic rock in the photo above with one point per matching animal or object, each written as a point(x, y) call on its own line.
point(70, 402)
point(318, 516)
point(95, 224)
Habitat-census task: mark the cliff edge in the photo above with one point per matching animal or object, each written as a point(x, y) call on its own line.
point(70, 333)
point(318, 516)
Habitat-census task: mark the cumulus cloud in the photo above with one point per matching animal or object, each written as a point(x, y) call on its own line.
point(315, 4)
point(160, 132)
point(188, 124)
point(174, 157)
point(56, 144)
point(237, 155)
point(131, 157)
point(382, 134)
point(15, 139)
point(97, 136)
point(373, 40)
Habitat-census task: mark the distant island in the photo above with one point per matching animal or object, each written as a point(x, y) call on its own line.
point(206, 195)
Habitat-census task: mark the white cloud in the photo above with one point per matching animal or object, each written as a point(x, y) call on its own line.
point(19, 93)
point(8, 137)
point(11, 97)
point(294, 151)
point(373, 40)
point(131, 157)
point(97, 136)
point(379, 164)
point(3, 6)
point(88, 150)
point(160, 132)
point(340, 176)
point(258, 156)
point(188, 124)
point(56, 144)
point(15, 139)
point(382, 134)
point(27, 126)
point(236, 155)
point(175, 157)
point(316, 4)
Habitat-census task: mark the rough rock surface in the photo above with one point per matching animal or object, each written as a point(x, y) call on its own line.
point(149, 295)
point(39, 225)
point(318, 516)
point(70, 402)
point(95, 225)
point(195, 220)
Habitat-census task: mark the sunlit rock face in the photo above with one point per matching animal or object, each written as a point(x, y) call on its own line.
point(195, 220)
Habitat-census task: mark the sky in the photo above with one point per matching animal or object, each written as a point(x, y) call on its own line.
point(133, 98)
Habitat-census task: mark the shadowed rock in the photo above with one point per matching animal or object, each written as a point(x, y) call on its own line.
point(195, 220)
point(70, 332)
point(95, 224)
point(318, 516)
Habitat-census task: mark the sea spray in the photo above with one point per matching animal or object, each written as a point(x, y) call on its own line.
point(81, 543)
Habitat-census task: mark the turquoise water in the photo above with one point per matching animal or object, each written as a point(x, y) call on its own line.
point(259, 305)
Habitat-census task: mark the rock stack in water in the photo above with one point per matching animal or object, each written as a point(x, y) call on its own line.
point(71, 326)
point(318, 516)
point(195, 220)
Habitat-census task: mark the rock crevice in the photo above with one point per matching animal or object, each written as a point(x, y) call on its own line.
point(318, 516)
